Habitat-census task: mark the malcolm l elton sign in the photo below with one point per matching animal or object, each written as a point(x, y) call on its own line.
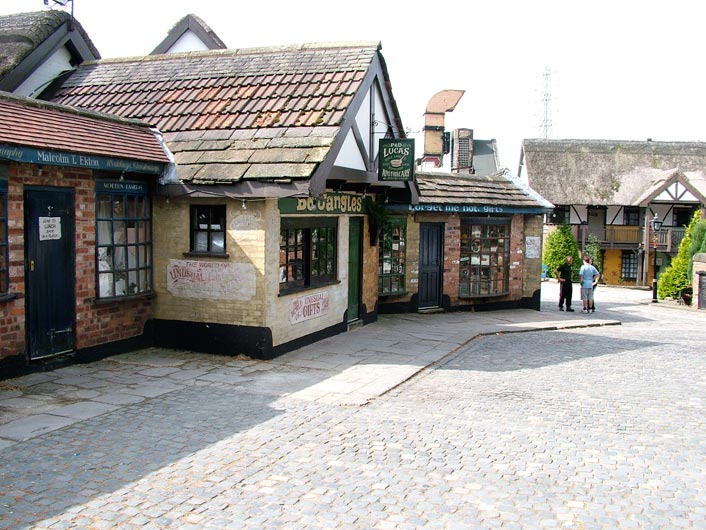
point(396, 159)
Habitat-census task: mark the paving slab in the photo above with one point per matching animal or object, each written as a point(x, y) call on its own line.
point(35, 425)
point(83, 410)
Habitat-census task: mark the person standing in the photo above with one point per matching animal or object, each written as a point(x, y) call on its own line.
point(588, 276)
point(563, 274)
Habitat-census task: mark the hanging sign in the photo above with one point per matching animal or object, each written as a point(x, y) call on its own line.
point(396, 159)
point(49, 228)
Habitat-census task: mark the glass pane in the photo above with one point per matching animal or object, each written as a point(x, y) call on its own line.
point(105, 285)
point(201, 242)
point(118, 206)
point(218, 242)
point(131, 207)
point(3, 232)
point(105, 234)
point(103, 207)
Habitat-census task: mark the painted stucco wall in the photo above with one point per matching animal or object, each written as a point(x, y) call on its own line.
point(242, 297)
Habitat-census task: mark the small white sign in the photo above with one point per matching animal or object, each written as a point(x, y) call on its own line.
point(533, 247)
point(49, 228)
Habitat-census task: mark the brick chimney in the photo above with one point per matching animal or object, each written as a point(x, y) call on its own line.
point(434, 118)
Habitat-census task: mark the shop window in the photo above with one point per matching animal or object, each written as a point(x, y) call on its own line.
point(307, 253)
point(628, 265)
point(4, 246)
point(392, 257)
point(485, 257)
point(123, 241)
point(208, 229)
point(631, 216)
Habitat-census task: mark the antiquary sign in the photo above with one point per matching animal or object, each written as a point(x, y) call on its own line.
point(326, 203)
point(211, 280)
point(308, 306)
point(60, 158)
point(396, 159)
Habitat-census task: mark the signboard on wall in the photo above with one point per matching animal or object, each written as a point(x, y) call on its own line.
point(396, 159)
point(63, 158)
point(327, 203)
point(308, 306)
point(211, 280)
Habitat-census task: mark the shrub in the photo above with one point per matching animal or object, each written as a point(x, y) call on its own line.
point(676, 277)
point(559, 244)
point(593, 249)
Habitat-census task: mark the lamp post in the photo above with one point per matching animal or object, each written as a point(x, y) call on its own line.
point(656, 226)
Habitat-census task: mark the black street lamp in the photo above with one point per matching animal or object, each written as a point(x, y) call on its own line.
point(656, 226)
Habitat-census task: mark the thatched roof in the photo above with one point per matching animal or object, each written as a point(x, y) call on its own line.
point(607, 172)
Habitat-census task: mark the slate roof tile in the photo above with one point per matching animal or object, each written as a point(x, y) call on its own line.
point(299, 91)
point(499, 189)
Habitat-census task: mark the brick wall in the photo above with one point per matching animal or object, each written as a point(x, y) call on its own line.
point(95, 323)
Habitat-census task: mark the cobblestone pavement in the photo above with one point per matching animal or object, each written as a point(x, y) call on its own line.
point(591, 427)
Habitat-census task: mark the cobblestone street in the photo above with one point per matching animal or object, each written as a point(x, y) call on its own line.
point(576, 427)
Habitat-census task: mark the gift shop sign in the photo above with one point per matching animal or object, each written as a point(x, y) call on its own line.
point(307, 307)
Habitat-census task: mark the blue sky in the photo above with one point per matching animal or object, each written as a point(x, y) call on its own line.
point(624, 70)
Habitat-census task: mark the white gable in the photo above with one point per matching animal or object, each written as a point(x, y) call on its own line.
point(45, 73)
point(350, 156)
point(372, 122)
point(188, 42)
point(676, 192)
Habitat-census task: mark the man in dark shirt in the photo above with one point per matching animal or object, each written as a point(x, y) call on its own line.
point(564, 273)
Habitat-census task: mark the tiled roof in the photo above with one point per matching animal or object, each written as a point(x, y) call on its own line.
point(500, 189)
point(22, 33)
point(605, 172)
point(31, 123)
point(233, 114)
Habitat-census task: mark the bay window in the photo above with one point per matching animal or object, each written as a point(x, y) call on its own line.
point(123, 239)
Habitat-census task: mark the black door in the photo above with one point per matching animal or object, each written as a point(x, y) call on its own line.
point(430, 264)
point(50, 271)
point(355, 251)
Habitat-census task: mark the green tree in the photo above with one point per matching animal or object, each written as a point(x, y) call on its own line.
point(593, 249)
point(698, 239)
point(676, 276)
point(559, 244)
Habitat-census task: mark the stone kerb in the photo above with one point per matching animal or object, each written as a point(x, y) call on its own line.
point(696, 282)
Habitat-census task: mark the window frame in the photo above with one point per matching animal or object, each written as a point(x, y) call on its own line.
point(4, 241)
point(394, 259)
point(222, 212)
point(142, 268)
point(484, 279)
point(628, 265)
point(315, 261)
point(631, 216)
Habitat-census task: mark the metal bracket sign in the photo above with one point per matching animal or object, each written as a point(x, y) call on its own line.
point(396, 159)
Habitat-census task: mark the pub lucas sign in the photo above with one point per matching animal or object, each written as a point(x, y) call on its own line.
point(396, 159)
